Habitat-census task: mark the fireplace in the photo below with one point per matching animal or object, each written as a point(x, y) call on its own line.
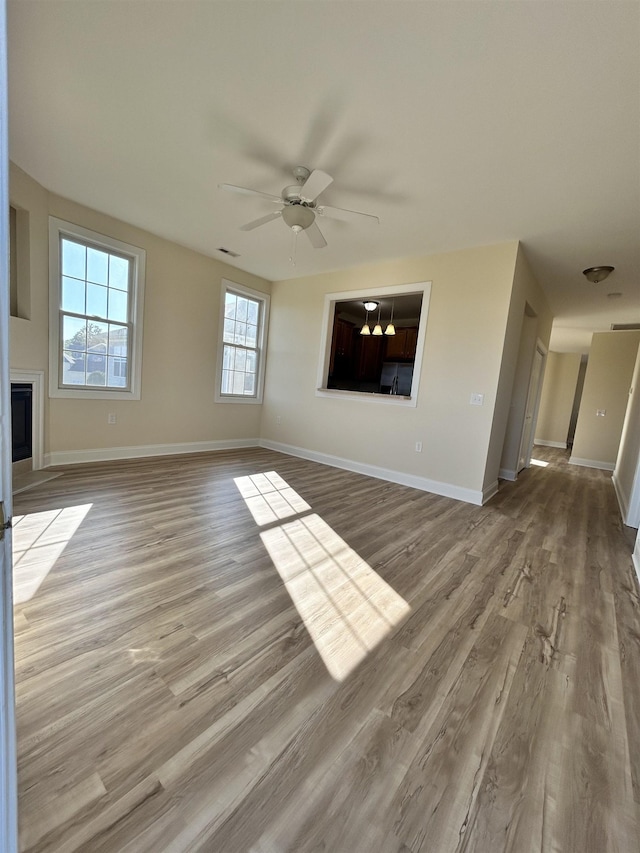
point(21, 421)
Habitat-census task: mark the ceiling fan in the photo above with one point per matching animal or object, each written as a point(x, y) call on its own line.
point(300, 206)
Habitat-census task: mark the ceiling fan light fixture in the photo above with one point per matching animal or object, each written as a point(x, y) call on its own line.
point(370, 305)
point(597, 274)
point(298, 217)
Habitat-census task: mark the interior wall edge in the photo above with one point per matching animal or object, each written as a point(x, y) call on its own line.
point(622, 500)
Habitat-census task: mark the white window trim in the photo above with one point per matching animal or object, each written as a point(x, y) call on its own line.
point(423, 287)
point(58, 228)
point(263, 329)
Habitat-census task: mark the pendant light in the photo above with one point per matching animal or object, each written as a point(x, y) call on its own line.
point(369, 305)
point(391, 329)
point(377, 329)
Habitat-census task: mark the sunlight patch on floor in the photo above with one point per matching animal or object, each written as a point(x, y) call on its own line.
point(39, 538)
point(347, 608)
point(539, 463)
point(269, 498)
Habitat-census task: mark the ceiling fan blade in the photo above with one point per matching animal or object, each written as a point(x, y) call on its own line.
point(262, 221)
point(315, 236)
point(314, 185)
point(346, 215)
point(245, 191)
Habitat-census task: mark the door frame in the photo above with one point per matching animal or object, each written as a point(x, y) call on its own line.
point(533, 394)
point(8, 765)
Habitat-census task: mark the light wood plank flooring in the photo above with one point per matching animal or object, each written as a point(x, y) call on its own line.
point(450, 677)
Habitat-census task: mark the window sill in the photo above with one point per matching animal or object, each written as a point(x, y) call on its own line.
point(252, 401)
point(368, 397)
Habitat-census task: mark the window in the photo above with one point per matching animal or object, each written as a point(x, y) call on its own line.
point(243, 326)
point(96, 314)
point(374, 353)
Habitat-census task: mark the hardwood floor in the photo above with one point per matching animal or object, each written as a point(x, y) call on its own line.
point(464, 678)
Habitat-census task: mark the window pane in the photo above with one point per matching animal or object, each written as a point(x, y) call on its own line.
point(249, 384)
point(252, 315)
point(117, 305)
point(74, 333)
point(227, 357)
point(73, 259)
point(251, 362)
point(240, 359)
point(73, 295)
point(226, 381)
point(97, 336)
point(241, 313)
point(118, 272)
point(118, 340)
point(73, 368)
point(116, 372)
point(96, 369)
point(229, 331)
point(96, 300)
point(238, 383)
point(241, 333)
point(252, 336)
point(230, 305)
point(97, 266)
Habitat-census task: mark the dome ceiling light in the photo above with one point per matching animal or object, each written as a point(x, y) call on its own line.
point(597, 274)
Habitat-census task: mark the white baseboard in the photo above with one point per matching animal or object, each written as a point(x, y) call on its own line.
point(507, 474)
point(543, 443)
point(622, 501)
point(106, 454)
point(591, 463)
point(489, 491)
point(447, 490)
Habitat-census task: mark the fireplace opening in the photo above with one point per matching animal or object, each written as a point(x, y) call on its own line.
point(21, 421)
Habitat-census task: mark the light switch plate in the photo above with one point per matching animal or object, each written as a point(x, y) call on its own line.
point(476, 399)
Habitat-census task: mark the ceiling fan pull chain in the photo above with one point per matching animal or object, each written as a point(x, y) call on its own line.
point(294, 247)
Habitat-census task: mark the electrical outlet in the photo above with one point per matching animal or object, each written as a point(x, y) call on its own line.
point(600, 413)
point(418, 447)
point(111, 418)
point(476, 399)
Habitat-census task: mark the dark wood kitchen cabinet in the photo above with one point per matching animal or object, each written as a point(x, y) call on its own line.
point(341, 360)
point(402, 345)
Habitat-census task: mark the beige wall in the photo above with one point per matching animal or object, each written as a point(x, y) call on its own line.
point(526, 297)
point(626, 475)
point(606, 386)
point(470, 300)
point(182, 297)
point(558, 391)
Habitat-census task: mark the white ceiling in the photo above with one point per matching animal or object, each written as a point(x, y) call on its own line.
point(457, 123)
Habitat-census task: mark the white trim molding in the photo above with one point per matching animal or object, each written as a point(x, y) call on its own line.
point(59, 228)
point(508, 474)
point(591, 463)
point(35, 378)
point(106, 454)
point(543, 443)
point(446, 490)
point(622, 501)
point(394, 290)
point(636, 556)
